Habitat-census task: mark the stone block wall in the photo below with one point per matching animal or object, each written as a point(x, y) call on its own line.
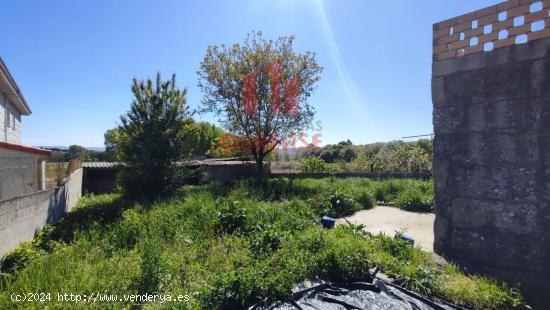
point(21, 217)
point(491, 165)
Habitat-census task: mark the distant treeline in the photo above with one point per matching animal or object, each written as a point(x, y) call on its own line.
point(205, 140)
point(395, 156)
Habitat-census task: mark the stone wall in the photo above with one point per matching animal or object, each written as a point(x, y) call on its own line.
point(491, 165)
point(21, 217)
point(220, 170)
point(100, 177)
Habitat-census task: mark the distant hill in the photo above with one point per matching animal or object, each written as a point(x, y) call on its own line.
point(64, 148)
point(96, 148)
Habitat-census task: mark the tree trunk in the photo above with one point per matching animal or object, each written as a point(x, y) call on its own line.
point(260, 168)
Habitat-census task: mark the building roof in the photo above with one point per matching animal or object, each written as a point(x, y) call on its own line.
point(204, 162)
point(100, 164)
point(24, 149)
point(9, 88)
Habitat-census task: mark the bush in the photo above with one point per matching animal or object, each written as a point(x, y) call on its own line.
point(312, 164)
point(127, 233)
point(343, 258)
point(366, 199)
point(387, 190)
point(18, 258)
point(336, 203)
point(231, 216)
point(264, 241)
point(413, 200)
point(152, 267)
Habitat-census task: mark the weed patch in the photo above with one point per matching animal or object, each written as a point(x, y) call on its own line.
point(230, 246)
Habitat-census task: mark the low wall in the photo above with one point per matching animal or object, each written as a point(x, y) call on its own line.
point(387, 175)
point(21, 217)
point(100, 177)
point(229, 170)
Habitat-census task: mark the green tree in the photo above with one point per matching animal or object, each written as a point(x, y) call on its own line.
point(204, 137)
point(113, 138)
point(362, 163)
point(347, 154)
point(419, 159)
point(154, 143)
point(260, 90)
point(312, 164)
point(75, 151)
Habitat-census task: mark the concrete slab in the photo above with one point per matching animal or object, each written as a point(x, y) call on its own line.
point(388, 220)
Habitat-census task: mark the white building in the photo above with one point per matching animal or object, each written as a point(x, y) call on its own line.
point(22, 168)
point(12, 106)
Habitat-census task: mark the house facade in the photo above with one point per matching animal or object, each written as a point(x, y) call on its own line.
point(12, 107)
point(22, 168)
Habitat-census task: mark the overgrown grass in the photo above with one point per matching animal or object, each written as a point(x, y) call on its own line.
point(225, 246)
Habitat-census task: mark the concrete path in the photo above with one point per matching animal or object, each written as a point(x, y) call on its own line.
point(389, 219)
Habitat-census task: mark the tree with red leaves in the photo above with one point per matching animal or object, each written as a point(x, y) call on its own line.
point(260, 90)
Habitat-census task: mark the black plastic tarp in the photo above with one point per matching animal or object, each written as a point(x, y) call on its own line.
point(376, 294)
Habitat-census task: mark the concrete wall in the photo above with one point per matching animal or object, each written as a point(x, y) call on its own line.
point(10, 122)
point(491, 165)
point(99, 180)
point(21, 217)
point(18, 174)
point(229, 170)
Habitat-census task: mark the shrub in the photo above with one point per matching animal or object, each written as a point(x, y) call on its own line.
point(337, 203)
point(343, 258)
point(265, 240)
point(413, 200)
point(312, 164)
point(387, 190)
point(18, 258)
point(152, 267)
point(231, 216)
point(366, 199)
point(127, 233)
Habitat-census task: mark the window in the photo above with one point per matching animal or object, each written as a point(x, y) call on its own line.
point(8, 120)
point(13, 121)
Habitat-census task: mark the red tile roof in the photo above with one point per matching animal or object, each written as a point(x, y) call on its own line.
point(24, 149)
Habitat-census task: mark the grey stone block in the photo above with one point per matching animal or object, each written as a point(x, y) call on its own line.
point(517, 219)
point(518, 250)
point(475, 117)
point(480, 182)
point(467, 87)
point(491, 163)
point(448, 119)
point(473, 213)
point(505, 82)
point(438, 91)
point(465, 242)
point(524, 184)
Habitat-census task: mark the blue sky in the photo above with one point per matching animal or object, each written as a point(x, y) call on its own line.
point(74, 60)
